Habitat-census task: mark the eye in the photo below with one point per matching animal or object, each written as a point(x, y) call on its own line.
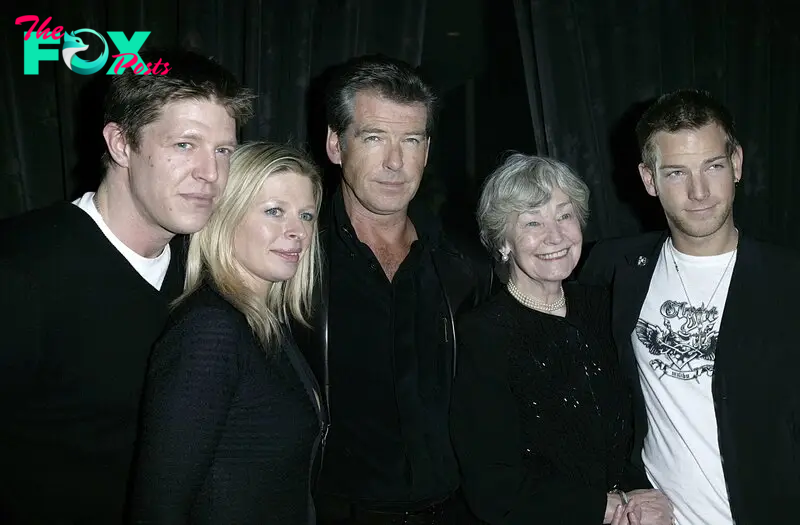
point(565, 217)
point(717, 166)
point(413, 140)
point(532, 224)
point(274, 212)
point(183, 145)
point(371, 138)
point(225, 151)
point(307, 216)
point(674, 173)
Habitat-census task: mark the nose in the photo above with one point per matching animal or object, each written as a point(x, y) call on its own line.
point(554, 235)
point(698, 188)
point(295, 229)
point(209, 168)
point(394, 157)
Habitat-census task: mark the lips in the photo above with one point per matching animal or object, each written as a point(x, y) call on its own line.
point(199, 198)
point(292, 256)
point(553, 255)
point(701, 210)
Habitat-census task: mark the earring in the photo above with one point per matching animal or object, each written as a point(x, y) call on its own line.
point(504, 257)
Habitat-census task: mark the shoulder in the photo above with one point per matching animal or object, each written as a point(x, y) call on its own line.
point(205, 313)
point(493, 314)
point(43, 233)
point(770, 253)
point(776, 265)
point(592, 295)
point(616, 247)
point(469, 253)
point(465, 246)
point(600, 259)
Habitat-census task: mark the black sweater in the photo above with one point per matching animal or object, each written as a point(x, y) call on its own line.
point(540, 416)
point(78, 323)
point(228, 430)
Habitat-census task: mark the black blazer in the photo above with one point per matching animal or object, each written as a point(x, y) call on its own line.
point(756, 397)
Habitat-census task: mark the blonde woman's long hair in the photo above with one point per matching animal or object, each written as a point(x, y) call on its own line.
point(211, 250)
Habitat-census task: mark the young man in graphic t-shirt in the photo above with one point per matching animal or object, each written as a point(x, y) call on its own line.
point(703, 318)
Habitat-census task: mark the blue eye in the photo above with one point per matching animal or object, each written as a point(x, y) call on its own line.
point(306, 216)
point(275, 212)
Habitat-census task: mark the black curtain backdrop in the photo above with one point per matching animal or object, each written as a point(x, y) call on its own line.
point(565, 78)
point(591, 67)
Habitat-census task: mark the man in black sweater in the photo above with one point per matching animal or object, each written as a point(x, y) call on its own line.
point(85, 290)
point(384, 343)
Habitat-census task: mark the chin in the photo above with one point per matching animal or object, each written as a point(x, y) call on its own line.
point(282, 276)
point(189, 224)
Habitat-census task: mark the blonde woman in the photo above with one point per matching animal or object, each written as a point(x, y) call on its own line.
point(231, 417)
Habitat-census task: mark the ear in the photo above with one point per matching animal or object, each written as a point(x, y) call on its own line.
point(117, 144)
point(333, 147)
point(648, 179)
point(737, 159)
point(427, 150)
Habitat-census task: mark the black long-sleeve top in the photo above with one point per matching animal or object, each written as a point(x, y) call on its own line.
point(228, 430)
point(540, 414)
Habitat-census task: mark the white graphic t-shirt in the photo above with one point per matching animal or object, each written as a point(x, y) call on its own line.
point(675, 345)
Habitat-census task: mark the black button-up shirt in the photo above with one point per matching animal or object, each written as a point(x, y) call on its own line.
point(390, 372)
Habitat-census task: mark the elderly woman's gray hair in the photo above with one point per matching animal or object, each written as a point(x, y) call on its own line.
point(521, 183)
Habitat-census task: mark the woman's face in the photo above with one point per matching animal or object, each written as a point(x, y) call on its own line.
point(544, 244)
point(276, 230)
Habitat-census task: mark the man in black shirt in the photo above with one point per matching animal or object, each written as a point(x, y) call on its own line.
point(85, 289)
point(383, 344)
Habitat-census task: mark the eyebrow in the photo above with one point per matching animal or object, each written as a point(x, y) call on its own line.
point(283, 203)
point(199, 136)
point(680, 166)
point(379, 131)
point(537, 211)
point(368, 131)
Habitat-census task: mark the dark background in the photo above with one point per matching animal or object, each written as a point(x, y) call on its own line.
point(564, 78)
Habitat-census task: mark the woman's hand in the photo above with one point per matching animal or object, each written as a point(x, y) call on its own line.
point(655, 508)
point(630, 514)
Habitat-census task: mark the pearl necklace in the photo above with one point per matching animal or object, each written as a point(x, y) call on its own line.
point(560, 303)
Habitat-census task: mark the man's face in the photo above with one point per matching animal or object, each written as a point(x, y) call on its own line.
point(383, 153)
point(180, 168)
point(694, 179)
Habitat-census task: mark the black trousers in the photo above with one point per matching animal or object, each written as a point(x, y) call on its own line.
point(453, 511)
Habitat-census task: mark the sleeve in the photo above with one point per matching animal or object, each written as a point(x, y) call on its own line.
point(632, 476)
point(191, 381)
point(598, 268)
point(499, 488)
point(21, 326)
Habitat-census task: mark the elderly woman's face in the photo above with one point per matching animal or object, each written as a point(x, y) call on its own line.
point(545, 243)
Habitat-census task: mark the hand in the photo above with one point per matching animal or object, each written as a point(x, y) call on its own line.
point(629, 514)
point(655, 507)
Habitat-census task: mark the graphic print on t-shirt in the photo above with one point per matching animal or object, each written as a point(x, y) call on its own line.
point(684, 346)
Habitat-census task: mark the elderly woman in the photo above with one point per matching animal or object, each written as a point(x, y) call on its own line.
point(541, 415)
point(231, 418)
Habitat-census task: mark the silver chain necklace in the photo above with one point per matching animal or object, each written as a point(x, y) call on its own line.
point(560, 303)
point(719, 282)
